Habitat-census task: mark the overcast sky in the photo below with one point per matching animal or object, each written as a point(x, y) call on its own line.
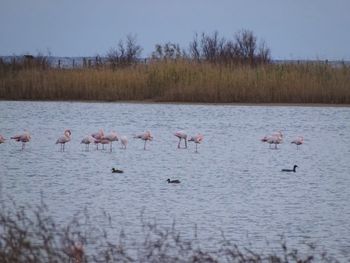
point(293, 29)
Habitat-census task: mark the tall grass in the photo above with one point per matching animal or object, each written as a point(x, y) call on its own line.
point(31, 235)
point(182, 81)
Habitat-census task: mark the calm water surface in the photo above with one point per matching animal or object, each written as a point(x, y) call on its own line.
point(233, 184)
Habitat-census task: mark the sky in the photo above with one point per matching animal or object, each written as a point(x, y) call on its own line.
point(292, 29)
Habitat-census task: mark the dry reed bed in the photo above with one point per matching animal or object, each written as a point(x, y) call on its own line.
point(183, 81)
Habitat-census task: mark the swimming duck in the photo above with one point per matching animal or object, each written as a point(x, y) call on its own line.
point(117, 171)
point(173, 181)
point(290, 170)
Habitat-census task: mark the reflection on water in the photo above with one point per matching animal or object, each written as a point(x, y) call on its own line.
point(233, 184)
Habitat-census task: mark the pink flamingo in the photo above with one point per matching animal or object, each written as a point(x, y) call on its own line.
point(87, 140)
point(274, 139)
point(146, 136)
point(264, 139)
point(124, 141)
point(111, 137)
point(298, 141)
point(181, 135)
point(103, 141)
point(64, 139)
point(278, 134)
point(24, 138)
point(196, 139)
point(2, 139)
point(98, 136)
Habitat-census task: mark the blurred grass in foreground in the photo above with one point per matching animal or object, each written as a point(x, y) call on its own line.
point(32, 235)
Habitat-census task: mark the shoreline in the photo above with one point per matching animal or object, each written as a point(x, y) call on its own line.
point(248, 104)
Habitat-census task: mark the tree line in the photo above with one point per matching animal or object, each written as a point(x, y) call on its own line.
point(242, 48)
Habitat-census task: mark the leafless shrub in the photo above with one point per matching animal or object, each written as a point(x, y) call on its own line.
point(26, 62)
point(125, 54)
point(168, 51)
point(31, 235)
point(243, 49)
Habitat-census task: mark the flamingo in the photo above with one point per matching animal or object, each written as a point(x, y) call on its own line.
point(112, 137)
point(196, 139)
point(181, 135)
point(278, 133)
point(64, 139)
point(103, 141)
point(2, 139)
point(87, 140)
point(298, 141)
point(274, 139)
point(98, 136)
point(264, 139)
point(24, 138)
point(146, 136)
point(124, 141)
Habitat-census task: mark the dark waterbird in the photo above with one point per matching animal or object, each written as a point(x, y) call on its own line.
point(117, 171)
point(290, 170)
point(173, 181)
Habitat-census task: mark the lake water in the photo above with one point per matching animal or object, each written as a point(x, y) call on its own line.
point(234, 184)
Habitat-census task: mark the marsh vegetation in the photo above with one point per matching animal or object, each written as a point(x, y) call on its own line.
point(212, 69)
point(30, 234)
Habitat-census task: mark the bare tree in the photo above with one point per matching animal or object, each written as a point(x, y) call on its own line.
point(133, 50)
point(264, 53)
point(167, 51)
point(194, 49)
point(125, 54)
point(246, 45)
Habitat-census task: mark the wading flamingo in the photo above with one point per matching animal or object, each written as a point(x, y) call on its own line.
point(64, 139)
point(274, 139)
point(124, 141)
point(196, 139)
point(2, 139)
point(111, 137)
point(24, 138)
point(181, 135)
point(146, 136)
point(87, 140)
point(98, 136)
point(298, 141)
point(103, 141)
point(264, 139)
